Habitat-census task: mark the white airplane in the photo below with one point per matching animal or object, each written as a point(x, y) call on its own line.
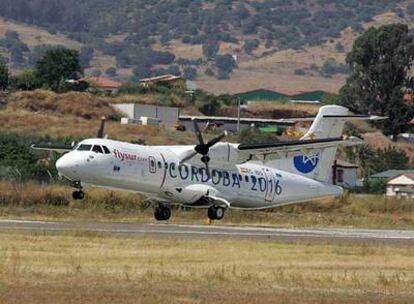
point(213, 175)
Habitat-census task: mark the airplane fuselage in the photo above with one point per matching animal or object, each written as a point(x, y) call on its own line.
point(157, 172)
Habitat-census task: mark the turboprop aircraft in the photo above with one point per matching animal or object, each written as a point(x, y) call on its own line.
point(213, 175)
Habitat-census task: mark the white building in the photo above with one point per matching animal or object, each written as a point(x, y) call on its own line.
point(344, 174)
point(167, 116)
point(401, 186)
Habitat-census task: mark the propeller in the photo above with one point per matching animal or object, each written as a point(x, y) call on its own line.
point(101, 130)
point(203, 148)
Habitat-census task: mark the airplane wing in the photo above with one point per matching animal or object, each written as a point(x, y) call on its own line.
point(248, 152)
point(55, 148)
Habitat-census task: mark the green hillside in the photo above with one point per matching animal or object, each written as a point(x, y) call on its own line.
point(140, 35)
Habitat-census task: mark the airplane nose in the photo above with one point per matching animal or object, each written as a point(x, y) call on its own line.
point(67, 166)
point(63, 164)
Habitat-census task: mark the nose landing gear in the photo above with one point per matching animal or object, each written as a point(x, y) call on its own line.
point(77, 194)
point(215, 213)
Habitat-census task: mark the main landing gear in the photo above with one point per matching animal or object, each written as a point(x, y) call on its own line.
point(215, 213)
point(78, 195)
point(162, 213)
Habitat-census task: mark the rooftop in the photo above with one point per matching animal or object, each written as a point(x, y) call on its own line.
point(344, 164)
point(390, 173)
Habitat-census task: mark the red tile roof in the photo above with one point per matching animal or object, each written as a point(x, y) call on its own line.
point(102, 82)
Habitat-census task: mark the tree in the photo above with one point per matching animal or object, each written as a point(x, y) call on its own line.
point(190, 73)
point(225, 65)
point(27, 80)
point(211, 48)
point(58, 65)
point(373, 160)
point(111, 72)
point(4, 76)
point(250, 45)
point(380, 62)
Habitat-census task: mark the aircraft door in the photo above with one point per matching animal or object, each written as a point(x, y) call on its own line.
point(152, 165)
point(270, 183)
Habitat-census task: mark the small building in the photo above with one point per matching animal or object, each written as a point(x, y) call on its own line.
point(103, 84)
point(401, 186)
point(261, 95)
point(141, 113)
point(389, 174)
point(309, 97)
point(344, 174)
point(314, 97)
point(169, 79)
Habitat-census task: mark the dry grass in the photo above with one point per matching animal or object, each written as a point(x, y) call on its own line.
point(32, 201)
point(25, 122)
point(33, 35)
point(81, 105)
point(245, 79)
point(83, 267)
point(77, 114)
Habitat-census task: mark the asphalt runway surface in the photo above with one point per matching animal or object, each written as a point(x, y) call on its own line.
point(335, 235)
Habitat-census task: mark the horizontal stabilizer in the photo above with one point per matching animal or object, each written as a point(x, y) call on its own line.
point(340, 117)
point(281, 149)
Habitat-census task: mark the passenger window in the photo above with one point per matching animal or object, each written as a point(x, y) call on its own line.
point(246, 178)
point(159, 165)
point(85, 148)
point(97, 149)
point(166, 166)
point(152, 163)
point(106, 150)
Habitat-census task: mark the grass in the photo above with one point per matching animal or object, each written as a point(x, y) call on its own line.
point(32, 201)
point(78, 115)
point(33, 35)
point(79, 267)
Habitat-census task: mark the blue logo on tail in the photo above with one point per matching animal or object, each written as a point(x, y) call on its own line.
point(306, 163)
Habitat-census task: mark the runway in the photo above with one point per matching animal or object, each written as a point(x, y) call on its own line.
point(219, 231)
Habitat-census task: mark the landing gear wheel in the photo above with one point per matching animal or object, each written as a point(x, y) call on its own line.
point(78, 195)
point(162, 213)
point(215, 213)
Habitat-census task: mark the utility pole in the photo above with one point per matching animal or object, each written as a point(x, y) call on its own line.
point(9, 66)
point(238, 116)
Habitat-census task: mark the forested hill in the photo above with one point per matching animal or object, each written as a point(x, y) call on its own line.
point(142, 34)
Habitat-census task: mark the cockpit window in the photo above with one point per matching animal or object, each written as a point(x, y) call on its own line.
point(85, 148)
point(97, 149)
point(106, 150)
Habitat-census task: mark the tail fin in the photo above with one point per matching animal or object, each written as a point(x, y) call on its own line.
point(329, 123)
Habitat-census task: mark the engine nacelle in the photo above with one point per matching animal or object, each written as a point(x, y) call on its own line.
point(223, 153)
point(193, 193)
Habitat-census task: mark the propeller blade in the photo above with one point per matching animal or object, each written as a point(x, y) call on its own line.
point(101, 129)
point(205, 159)
point(206, 126)
point(217, 139)
point(198, 132)
point(188, 157)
